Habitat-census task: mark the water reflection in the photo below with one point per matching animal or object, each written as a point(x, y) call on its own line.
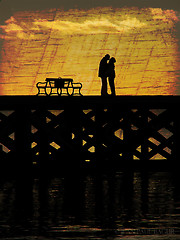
point(91, 206)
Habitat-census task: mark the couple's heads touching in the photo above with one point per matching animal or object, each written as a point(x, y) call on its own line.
point(110, 59)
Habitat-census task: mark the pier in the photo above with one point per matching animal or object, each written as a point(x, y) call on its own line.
point(89, 132)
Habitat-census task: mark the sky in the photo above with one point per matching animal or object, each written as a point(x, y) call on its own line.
point(40, 39)
point(21, 5)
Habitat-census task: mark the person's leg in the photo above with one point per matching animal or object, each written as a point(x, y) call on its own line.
point(112, 86)
point(104, 86)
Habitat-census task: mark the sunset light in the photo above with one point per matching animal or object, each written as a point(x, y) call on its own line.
point(56, 43)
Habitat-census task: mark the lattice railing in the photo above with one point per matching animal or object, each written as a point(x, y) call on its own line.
point(90, 134)
point(7, 131)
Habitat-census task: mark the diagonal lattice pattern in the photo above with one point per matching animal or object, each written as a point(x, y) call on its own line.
point(92, 133)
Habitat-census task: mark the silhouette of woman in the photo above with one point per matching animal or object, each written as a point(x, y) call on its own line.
point(111, 75)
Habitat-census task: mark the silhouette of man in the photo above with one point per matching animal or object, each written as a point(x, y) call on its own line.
point(112, 75)
point(103, 71)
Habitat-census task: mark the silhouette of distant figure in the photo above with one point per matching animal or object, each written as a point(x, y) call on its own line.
point(112, 75)
point(103, 70)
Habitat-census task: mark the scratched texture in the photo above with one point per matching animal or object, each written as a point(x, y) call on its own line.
point(54, 43)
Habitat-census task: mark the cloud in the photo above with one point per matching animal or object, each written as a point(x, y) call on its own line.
point(94, 26)
point(98, 21)
point(167, 16)
point(22, 30)
point(13, 30)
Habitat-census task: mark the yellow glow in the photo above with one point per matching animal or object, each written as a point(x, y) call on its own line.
point(56, 43)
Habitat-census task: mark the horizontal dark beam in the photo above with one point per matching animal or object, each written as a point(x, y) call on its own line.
point(84, 102)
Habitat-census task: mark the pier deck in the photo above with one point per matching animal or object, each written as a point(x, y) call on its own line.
point(56, 102)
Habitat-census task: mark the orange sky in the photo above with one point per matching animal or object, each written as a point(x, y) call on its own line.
point(57, 43)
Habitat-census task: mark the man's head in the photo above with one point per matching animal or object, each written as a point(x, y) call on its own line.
point(107, 56)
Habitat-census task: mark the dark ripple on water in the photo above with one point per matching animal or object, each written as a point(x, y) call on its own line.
point(129, 205)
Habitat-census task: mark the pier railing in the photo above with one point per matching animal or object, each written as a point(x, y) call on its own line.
point(84, 130)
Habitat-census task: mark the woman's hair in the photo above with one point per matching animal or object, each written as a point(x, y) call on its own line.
point(112, 60)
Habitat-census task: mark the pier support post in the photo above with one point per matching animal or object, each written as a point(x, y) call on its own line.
point(144, 176)
point(144, 145)
point(176, 144)
point(23, 141)
point(43, 141)
point(128, 154)
point(98, 136)
point(73, 136)
point(77, 134)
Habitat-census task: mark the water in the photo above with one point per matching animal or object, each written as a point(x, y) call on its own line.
point(128, 205)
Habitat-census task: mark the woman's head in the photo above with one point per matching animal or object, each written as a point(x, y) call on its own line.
point(112, 60)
